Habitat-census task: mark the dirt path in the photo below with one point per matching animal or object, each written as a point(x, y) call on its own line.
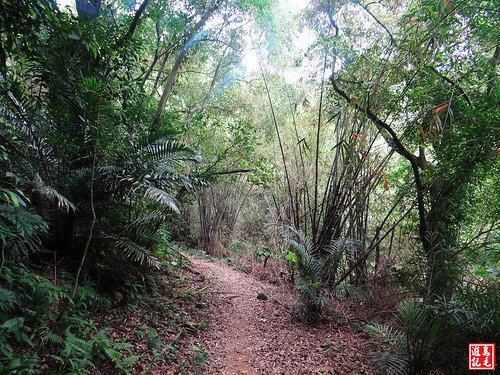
point(246, 335)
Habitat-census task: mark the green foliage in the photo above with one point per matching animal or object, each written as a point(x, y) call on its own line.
point(70, 98)
point(20, 230)
point(442, 109)
point(84, 165)
point(315, 271)
point(81, 355)
point(229, 144)
point(310, 268)
point(420, 334)
point(196, 363)
point(38, 318)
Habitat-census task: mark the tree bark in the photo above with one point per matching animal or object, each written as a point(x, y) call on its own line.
point(168, 86)
point(170, 80)
point(134, 24)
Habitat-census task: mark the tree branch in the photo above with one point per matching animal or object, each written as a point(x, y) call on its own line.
point(365, 7)
point(400, 149)
point(454, 84)
point(230, 171)
point(134, 24)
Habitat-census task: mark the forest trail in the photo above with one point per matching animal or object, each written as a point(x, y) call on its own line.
point(238, 322)
point(247, 335)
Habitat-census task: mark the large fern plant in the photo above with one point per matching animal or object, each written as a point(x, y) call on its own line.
point(315, 268)
point(425, 338)
point(52, 139)
point(134, 197)
point(146, 180)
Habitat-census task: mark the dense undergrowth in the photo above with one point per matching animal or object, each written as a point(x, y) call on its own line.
point(45, 329)
point(85, 190)
point(408, 335)
point(136, 330)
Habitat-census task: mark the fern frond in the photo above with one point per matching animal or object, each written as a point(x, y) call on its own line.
point(20, 229)
point(135, 251)
point(52, 337)
point(387, 363)
point(162, 197)
point(7, 299)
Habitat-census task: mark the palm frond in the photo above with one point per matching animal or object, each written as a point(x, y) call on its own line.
point(147, 219)
point(135, 251)
point(387, 336)
point(342, 245)
point(349, 290)
point(162, 197)
point(169, 151)
point(411, 316)
point(311, 269)
point(52, 194)
point(77, 178)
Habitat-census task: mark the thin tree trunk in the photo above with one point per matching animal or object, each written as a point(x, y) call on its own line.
point(134, 24)
point(161, 69)
point(2, 251)
point(168, 86)
point(92, 203)
point(275, 121)
point(315, 223)
point(92, 224)
point(156, 56)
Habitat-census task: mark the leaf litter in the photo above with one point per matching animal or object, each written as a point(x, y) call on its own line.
point(251, 335)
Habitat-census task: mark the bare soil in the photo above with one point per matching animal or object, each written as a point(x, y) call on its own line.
point(247, 335)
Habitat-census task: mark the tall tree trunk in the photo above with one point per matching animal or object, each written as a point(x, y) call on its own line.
point(161, 69)
point(202, 105)
point(168, 86)
point(170, 80)
point(134, 24)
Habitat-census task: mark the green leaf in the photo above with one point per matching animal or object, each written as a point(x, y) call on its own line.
point(13, 198)
point(73, 36)
point(292, 257)
point(14, 364)
point(482, 272)
point(13, 324)
point(26, 339)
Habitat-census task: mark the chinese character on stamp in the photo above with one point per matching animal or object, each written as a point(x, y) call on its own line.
point(482, 356)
